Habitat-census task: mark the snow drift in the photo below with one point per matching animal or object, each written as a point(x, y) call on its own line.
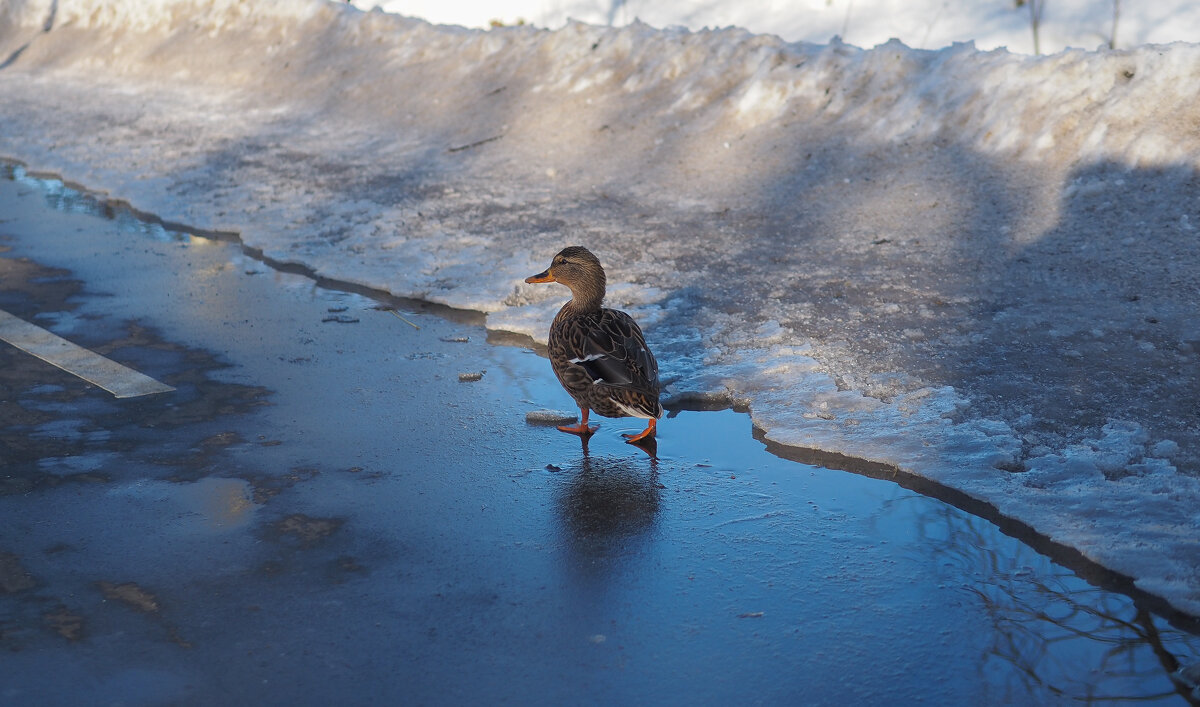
point(926, 24)
point(977, 266)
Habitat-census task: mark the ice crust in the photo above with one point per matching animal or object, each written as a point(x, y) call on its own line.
point(980, 267)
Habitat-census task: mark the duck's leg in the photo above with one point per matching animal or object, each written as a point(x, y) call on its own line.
point(649, 432)
point(582, 429)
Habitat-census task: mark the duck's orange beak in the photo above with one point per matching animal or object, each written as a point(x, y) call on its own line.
point(540, 277)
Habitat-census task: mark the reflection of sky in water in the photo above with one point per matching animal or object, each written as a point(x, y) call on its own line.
point(210, 504)
point(78, 464)
point(63, 198)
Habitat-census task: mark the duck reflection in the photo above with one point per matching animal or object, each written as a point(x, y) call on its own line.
point(608, 506)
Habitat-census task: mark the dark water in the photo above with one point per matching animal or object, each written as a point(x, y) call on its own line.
point(322, 512)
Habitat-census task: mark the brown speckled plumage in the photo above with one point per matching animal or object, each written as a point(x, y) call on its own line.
point(599, 354)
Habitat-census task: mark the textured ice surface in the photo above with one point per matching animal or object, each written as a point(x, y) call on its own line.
point(977, 266)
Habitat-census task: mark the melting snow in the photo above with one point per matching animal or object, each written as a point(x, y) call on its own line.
point(975, 265)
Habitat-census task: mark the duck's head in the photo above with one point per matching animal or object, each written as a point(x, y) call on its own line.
point(578, 269)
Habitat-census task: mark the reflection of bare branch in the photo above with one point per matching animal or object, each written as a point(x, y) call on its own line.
point(1152, 636)
point(1057, 634)
point(1059, 631)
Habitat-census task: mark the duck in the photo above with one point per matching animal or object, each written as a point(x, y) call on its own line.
point(599, 355)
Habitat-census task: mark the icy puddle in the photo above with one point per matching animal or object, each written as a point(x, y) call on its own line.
point(338, 505)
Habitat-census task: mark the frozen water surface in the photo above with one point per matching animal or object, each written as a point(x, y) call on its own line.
point(975, 266)
point(324, 499)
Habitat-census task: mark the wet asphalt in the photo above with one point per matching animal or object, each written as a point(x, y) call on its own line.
point(332, 507)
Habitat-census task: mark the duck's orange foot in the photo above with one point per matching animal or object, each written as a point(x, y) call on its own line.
point(648, 433)
point(583, 429)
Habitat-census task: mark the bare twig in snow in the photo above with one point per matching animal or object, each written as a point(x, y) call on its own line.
point(477, 143)
point(1035, 19)
point(1112, 38)
point(414, 326)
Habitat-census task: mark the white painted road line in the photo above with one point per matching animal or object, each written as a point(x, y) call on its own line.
point(119, 380)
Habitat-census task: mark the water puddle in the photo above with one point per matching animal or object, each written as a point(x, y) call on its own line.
point(208, 505)
point(326, 492)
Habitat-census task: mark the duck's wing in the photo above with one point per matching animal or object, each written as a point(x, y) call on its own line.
point(613, 352)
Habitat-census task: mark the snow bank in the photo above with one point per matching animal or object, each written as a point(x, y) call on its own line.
point(927, 24)
point(977, 266)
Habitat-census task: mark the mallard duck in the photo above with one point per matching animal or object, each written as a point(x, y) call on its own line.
point(599, 354)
